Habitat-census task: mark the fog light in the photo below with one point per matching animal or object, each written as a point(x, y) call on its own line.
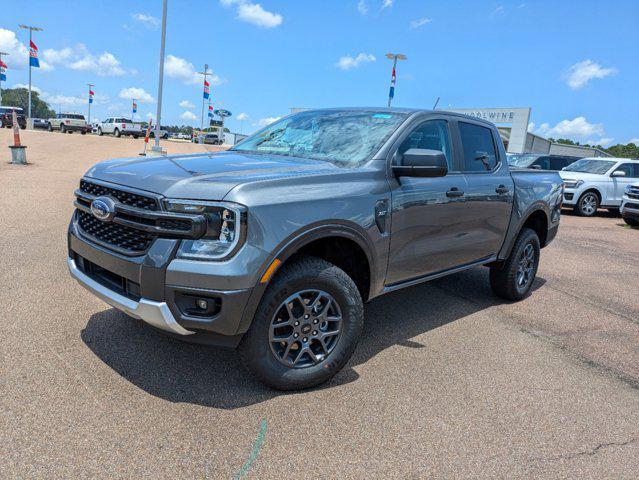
point(202, 304)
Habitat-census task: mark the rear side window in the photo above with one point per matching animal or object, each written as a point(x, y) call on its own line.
point(632, 170)
point(478, 147)
point(543, 163)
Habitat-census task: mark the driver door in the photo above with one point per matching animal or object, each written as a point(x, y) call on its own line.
point(428, 231)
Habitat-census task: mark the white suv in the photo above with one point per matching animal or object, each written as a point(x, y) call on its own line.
point(630, 205)
point(591, 183)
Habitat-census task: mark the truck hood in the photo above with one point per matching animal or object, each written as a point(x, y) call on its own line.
point(566, 175)
point(209, 176)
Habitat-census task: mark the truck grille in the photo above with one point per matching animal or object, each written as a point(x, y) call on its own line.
point(127, 198)
point(633, 193)
point(137, 221)
point(120, 236)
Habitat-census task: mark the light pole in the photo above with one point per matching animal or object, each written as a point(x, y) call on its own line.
point(90, 85)
point(394, 57)
point(158, 115)
point(1, 53)
point(206, 74)
point(31, 30)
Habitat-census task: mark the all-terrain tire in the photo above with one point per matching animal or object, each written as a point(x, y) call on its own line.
point(513, 278)
point(62, 128)
point(631, 221)
point(304, 274)
point(50, 127)
point(117, 133)
point(100, 133)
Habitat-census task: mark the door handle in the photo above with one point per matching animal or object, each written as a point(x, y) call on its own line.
point(501, 189)
point(454, 192)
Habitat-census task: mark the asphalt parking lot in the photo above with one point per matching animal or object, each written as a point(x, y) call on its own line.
point(447, 381)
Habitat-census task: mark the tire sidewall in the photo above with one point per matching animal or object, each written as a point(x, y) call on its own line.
point(529, 237)
point(581, 201)
point(256, 344)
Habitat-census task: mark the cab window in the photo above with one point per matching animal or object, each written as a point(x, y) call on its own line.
point(478, 148)
point(430, 135)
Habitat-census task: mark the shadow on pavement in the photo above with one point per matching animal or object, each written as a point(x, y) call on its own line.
point(214, 377)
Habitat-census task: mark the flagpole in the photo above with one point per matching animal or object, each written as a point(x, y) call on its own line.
point(132, 109)
point(1, 53)
point(91, 85)
point(31, 29)
point(394, 57)
point(206, 74)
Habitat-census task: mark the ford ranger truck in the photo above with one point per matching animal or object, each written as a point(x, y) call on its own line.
point(274, 246)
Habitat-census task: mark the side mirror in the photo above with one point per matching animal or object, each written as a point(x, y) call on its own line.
point(417, 162)
point(618, 173)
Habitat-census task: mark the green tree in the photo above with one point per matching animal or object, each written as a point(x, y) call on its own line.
point(19, 97)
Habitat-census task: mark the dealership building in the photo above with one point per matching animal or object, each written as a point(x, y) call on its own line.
point(512, 124)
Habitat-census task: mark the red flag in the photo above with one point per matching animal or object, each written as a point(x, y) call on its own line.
point(91, 92)
point(2, 64)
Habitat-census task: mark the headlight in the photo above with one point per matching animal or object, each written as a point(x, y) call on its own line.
point(573, 183)
point(225, 231)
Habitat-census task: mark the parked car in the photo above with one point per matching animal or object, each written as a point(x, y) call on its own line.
point(119, 126)
point(164, 133)
point(68, 123)
point(540, 161)
point(6, 117)
point(591, 183)
point(630, 205)
point(40, 123)
point(274, 245)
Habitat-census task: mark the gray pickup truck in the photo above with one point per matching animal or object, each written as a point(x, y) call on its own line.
point(274, 246)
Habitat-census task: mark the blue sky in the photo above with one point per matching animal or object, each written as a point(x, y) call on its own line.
point(575, 63)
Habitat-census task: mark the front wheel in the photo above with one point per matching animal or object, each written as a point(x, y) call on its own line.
point(631, 221)
point(306, 326)
point(100, 133)
point(62, 129)
point(513, 278)
point(587, 205)
point(50, 127)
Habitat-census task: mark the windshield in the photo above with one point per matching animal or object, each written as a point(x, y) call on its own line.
point(589, 165)
point(521, 160)
point(344, 138)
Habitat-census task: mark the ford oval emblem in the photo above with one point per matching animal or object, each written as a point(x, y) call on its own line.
point(103, 208)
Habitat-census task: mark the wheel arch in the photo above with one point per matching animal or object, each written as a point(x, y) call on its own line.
point(315, 240)
point(537, 218)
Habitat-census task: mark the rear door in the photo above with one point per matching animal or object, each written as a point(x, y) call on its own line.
point(427, 230)
point(489, 189)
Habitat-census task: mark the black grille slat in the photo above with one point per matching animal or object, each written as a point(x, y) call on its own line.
point(120, 236)
point(127, 198)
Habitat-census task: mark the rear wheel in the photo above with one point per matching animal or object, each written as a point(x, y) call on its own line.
point(83, 132)
point(117, 133)
point(513, 278)
point(62, 128)
point(306, 327)
point(50, 127)
point(587, 204)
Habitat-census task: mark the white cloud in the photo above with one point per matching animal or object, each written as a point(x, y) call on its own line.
point(80, 58)
point(634, 140)
point(18, 57)
point(186, 104)
point(188, 116)
point(420, 22)
point(531, 127)
point(604, 142)
point(499, 9)
point(362, 8)
point(139, 94)
point(387, 4)
point(576, 129)
point(183, 70)
point(581, 73)
point(267, 121)
point(24, 85)
point(347, 62)
point(242, 116)
point(148, 20)
point(254, 13)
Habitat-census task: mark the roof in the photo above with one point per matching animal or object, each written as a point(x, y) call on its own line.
point(399, 110)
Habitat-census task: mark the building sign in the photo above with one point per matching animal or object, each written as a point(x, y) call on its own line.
point(517, 117)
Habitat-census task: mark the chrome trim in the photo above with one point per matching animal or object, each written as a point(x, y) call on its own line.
point(154, 313)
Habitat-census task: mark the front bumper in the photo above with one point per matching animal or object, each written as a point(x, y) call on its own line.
point(154, 313)
point(142, 287)
point(630, 208)
point(571, 196)
point(76, 128)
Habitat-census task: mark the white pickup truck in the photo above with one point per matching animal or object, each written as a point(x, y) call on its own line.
point(119, 126)
point(68, 123)
point(591, 183)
